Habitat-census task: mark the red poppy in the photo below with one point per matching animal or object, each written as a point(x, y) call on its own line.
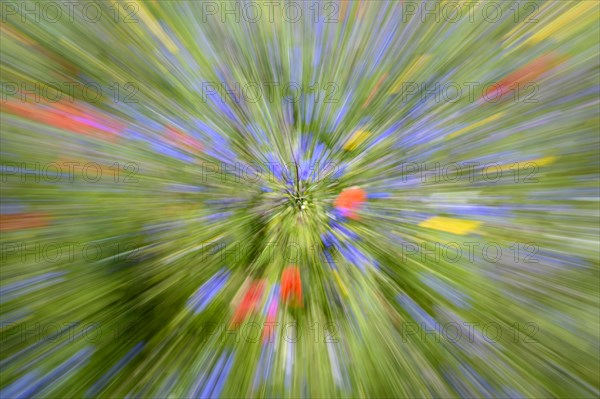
point(183, 140)
point(20, 221)
point(291, 286)
point(250, 302)
point(350, 200)
point(522, 76)
point(74, 117)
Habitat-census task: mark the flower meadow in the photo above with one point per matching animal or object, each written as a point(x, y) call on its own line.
point(286, 199)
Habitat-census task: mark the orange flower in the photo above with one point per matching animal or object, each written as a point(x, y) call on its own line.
point(350, 200)
point(183, 140)
point(20, 221)
point(250, 302)
point(74, 117)
point(524, 75)
point(291, 286)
